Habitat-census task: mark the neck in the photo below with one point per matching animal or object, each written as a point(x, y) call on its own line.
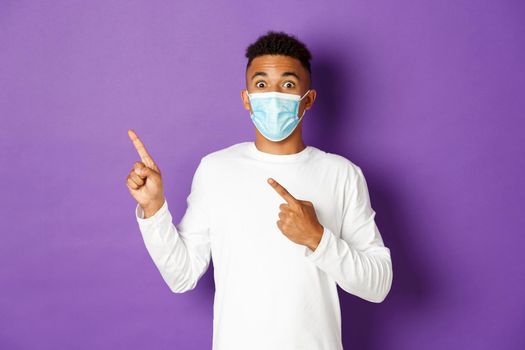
point(292, 144)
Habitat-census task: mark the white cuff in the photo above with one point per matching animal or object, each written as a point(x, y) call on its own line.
point(321, 247)
point(139, 214)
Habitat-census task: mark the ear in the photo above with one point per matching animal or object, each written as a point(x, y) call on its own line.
point(310, 98)
point(245, 100)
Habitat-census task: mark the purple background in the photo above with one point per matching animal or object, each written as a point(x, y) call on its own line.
point(426, 96)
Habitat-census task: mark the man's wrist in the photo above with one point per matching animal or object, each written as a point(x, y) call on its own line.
point(315, 241)
point(153, 208)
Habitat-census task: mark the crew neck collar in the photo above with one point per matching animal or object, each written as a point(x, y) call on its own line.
point(278, 158)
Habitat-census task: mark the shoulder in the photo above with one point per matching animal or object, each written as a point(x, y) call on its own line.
point(224, 153)
point(222, 158)
point(337, 162)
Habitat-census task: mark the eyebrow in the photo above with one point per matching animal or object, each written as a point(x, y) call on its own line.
point(285, 74)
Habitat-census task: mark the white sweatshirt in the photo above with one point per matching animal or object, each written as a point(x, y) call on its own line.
point(270, 292)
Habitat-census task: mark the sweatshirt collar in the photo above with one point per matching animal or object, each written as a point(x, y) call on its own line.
point(278, 158)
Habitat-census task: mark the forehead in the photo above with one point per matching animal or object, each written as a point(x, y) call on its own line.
point(276, 64)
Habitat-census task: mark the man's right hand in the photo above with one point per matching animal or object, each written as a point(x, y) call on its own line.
point(144, 180)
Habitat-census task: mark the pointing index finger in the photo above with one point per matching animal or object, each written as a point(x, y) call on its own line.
point(143, 153)
point(282, 191)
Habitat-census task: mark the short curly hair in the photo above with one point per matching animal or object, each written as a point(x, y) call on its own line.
point(279, 43)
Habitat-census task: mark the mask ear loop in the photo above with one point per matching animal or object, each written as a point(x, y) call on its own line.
point(304, 110)
point(248, 94)
point(304, 94)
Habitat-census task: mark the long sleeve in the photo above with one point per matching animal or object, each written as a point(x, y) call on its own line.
point(357, 259)
point(180, 252)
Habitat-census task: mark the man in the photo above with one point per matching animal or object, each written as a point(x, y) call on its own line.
point(285, 223)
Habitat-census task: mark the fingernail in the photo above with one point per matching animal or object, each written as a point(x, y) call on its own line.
point(271, 180)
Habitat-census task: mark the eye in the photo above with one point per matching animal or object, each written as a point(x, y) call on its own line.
point(260, 84)
point(289, 84)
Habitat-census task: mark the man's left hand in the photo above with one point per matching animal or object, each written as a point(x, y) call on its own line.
point(297, 219)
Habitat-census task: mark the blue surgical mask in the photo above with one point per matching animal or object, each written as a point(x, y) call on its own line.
point(275, 113)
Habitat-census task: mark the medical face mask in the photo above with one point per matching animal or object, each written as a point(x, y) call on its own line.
point(275, 113)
